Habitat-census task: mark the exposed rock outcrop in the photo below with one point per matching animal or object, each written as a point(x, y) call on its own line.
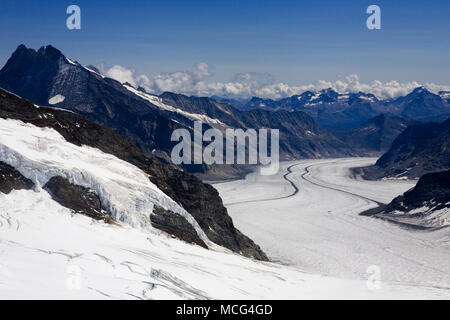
point(175, 225)
point(427, 205)
point(77, 198)
point(11, 179)
point(420, 149)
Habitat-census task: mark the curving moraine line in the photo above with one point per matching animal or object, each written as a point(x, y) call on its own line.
point(303, 176)
point(285, 177)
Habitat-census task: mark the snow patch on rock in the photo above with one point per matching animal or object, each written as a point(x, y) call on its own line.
point(159, 103)
point(56, 99)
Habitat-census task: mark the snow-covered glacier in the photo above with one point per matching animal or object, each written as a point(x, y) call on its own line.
point(320, 230)
point(47, 251)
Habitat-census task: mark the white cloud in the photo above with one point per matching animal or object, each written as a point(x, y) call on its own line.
point(246, 85)
point(123, 75)
point(182, 81)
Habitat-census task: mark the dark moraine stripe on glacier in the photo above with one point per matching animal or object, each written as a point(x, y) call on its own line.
point(11, 179)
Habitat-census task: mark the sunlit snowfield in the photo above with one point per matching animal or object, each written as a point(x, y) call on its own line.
point(318, 229)
point(47, 252)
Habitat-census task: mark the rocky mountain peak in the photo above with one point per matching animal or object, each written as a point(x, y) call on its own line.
point(420, 89)
point(50, 51)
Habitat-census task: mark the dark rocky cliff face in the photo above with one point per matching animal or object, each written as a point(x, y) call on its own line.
point(77, 198)
point(30, 73)
point(40, 75)
point(375, 135)
point(431, 187)
point(201, 200)
point(175, 225)
point(430, 196)
point(418, 150)
point(11, 179)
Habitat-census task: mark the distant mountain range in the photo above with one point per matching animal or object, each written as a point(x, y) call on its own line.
point(300, 136)
point(420, 149)
point(332, 110)
point(47, 77)
point(312, 125)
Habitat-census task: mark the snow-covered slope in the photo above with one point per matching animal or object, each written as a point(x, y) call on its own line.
point(429, 216)
point(160, 104)
point(125, 190)
point(46, 252)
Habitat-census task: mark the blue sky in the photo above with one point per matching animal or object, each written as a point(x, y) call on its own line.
point(298, 42)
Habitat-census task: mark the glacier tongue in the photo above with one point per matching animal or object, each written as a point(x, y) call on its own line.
point(125, 190)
